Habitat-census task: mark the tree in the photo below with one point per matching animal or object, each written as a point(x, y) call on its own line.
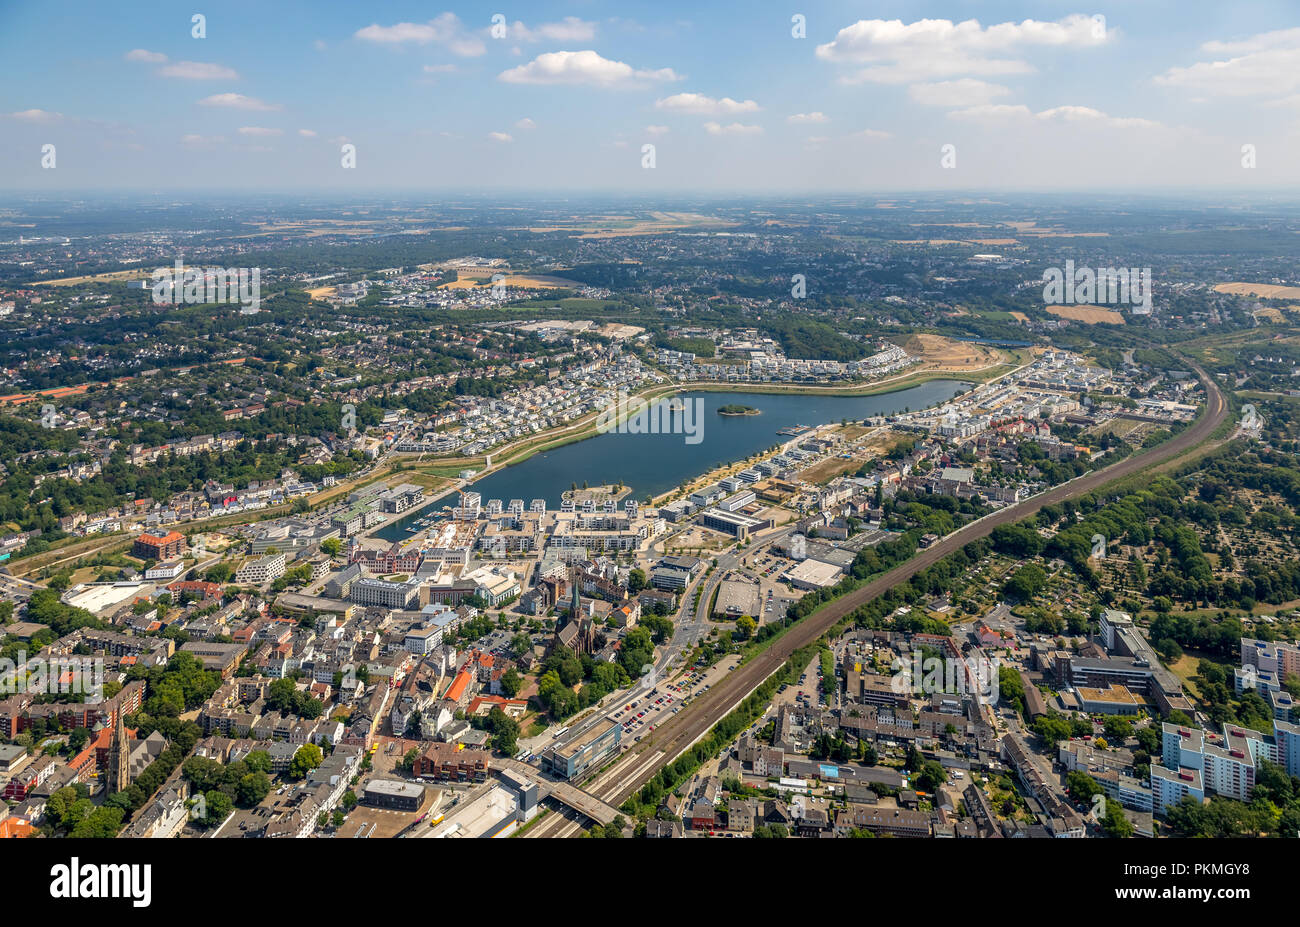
point(1115, 823)
point(1027, 582)
point(413, 725)
point(1052, 730)
point(1117, 728)
point(1082, 786)
point(932, 777)
point(258, 761)
point(505, 730)
point(217, 807)
point(100, 824)
point(307, 758)
point(511, 682)
point(251, 789)
point(408, 760)
point(220, 573)
point(745, 626)
point(636, 580)
point(331, 546)
point(660, 628)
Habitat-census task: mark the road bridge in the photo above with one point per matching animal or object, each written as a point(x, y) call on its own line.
point(584, 803)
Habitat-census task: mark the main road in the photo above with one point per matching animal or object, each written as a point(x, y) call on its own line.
point(673, 737)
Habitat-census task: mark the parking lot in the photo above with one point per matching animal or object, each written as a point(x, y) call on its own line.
point(642, 712)
point(776, 596)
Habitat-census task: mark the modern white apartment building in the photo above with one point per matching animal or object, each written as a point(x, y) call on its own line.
point(264, 570)
point(1197, 763)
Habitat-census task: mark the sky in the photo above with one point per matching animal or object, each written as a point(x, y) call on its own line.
point(1130, 95)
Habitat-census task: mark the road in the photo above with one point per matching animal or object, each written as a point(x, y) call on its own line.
point(692, 625)
point(673, 737)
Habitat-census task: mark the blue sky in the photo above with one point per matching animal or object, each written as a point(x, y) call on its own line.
point(1031, 95)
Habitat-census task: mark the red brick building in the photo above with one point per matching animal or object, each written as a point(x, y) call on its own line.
point(154, 547)
point(447, 762)
point(72, 715)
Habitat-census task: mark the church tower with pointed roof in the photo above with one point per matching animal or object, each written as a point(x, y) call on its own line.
point(119, 757)
point(575, 598)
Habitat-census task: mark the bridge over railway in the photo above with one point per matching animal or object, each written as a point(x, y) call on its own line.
point(635, 767)
point(570, 795)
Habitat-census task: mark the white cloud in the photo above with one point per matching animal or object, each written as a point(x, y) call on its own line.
point(141, 54)
point(202, 139)
point(198, 70)
point(873, 133)
point(801, 118)
point(421, 33)
point(1280, 38)
point(446, 30)
point(895, 52)
point(656, 130)
point(259, 131)
point(525, 123)
point(964, 92)
point(998, 112)
point(440, 69)
point(501, 137)
point(698, 104)
point(35, 115)
point(582, 67)
point(986, 111)
point(1266, 63)
point(569, 29)
point(239, 101)
point(307, 133)
point(469, 47)
point(736, 128)
point(1088, 114)
point(186, 70)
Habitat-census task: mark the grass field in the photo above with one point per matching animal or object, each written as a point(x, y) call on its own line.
point(1262, 290)
point(659, 223)
point(116, 276)
point(468, 280)
point(1089, 315)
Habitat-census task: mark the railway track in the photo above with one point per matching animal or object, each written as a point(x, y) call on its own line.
point(673, 737)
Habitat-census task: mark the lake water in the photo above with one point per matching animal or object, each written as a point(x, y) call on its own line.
point(654, 463)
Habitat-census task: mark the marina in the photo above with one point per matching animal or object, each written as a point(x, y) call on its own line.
point(650, 464)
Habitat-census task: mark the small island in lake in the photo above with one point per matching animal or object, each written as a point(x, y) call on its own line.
point(738, 410)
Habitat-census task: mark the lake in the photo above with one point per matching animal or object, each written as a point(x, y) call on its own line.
point(654, 463)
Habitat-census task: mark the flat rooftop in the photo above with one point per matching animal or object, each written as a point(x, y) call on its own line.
point(395, 788)
point(484, 816)
point(102, 596)
point(573, 745)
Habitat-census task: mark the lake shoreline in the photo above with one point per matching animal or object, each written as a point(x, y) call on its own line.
point(654, 463)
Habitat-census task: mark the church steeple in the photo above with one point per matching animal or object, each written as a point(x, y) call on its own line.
point(119, 756)
point(575, 599)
